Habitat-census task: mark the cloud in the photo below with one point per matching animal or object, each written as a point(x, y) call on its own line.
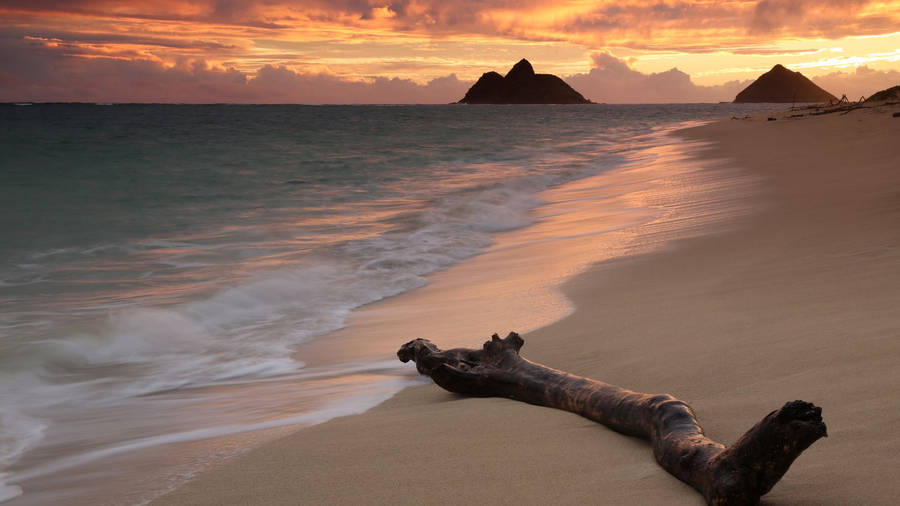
point(862, 82)
point(825, 18)
point(673, 23)
point(34, 71)
point(641, 18)
point(208, 44)
point(249, 13)
point(279, 85)
point(38, 71)
point(612, 80)
point(66, 65)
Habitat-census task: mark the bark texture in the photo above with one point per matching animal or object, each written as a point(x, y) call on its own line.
point(737, 475)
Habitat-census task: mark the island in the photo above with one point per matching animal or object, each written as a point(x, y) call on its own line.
point(891, 94)
point(781, 85)
point(522, 86)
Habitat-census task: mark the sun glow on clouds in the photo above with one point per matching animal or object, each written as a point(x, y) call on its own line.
point(423, 40)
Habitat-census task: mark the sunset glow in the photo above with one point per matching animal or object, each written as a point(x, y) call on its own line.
point(428, 50)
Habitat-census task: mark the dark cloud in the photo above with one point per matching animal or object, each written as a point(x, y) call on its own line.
point(244, 13)
point(688, 25)
point(827, 18)
point(640, 17)
point(118, 38)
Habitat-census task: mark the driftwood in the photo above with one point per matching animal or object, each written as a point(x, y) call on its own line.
point(737, 475)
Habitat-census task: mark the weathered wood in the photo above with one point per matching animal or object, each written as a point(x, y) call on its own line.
point(737, 475)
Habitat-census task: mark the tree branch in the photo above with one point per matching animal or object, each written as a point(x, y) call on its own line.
point(737, 475)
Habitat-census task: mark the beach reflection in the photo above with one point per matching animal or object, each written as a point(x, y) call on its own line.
point(658, 196)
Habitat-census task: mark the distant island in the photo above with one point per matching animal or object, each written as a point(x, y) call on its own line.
point(888, 95)
point(781, 85)
point(522, 86)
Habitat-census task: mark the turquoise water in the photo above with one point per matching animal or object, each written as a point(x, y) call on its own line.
point(157, 248)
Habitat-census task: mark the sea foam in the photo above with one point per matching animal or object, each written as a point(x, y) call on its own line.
point(169, 255)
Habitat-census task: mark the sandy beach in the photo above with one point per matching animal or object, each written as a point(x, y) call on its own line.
point(797, 300)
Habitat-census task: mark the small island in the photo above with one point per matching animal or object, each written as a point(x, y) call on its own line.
point(522, 86)
point(783, 86)
point(891, 94)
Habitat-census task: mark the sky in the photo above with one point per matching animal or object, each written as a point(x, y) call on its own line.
point(431, 51)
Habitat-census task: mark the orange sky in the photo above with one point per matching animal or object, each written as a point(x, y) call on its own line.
point(352, 50)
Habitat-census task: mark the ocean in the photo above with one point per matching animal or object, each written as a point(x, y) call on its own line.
point(174, 274)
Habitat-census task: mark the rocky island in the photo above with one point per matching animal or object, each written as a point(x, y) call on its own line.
point(781, 85)
point(522, 86)
point(889, 95)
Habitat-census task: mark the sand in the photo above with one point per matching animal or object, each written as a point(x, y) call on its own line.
point(799, 300)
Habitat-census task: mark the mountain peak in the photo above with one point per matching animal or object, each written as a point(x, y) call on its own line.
point(522, 86)
point(782, 85)
point(521, 69)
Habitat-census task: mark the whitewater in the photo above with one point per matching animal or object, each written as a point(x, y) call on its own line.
point(161, 265)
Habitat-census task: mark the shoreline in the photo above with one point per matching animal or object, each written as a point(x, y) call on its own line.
point(577, 224)
point(798, 303)
point(573, 219)
point(512, 284)
point(585, 223)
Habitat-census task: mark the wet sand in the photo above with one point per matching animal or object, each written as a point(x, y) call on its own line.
point(798, 300)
